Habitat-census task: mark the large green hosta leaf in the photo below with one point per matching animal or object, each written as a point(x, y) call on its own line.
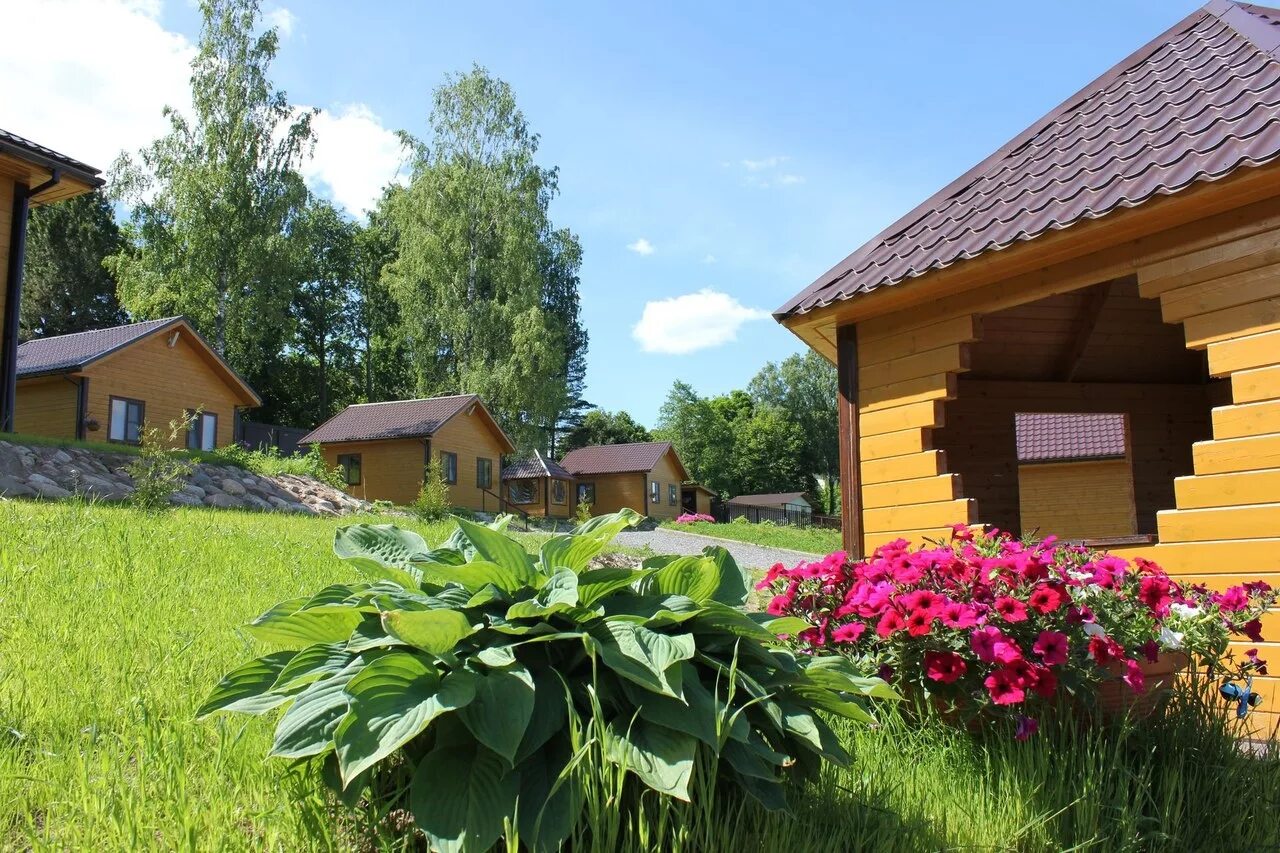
point(558, 594)
point(642, 656)
point(662, 758)
point(502, 709)
point(696, 716)
point(391, 701)
point(312, 664)
point(460, 796)
point(576, 550)
point(693, 577)
point(287, 625)
point(495, 547)
point(307, 727)
point(435, 631)
point(475, 575)
point(550, 798)
point(596, 584)
point(735, 584)
point(382, 552)
point(246, 688)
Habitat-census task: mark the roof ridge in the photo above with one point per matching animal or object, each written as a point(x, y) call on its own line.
point(413, 400)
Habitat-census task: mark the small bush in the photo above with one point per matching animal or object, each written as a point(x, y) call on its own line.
point(432, 502)
point(159, 469)
point(694, 518)
point(477, 688)
point(582, 514)
point(270, 463)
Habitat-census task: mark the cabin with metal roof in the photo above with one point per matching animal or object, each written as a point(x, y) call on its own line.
point(647, 477)
point(107, 384)
point(383, 449)
point(30, 175)
point(539, 487)
point(1121, 256)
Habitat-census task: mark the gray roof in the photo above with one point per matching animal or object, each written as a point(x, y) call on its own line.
point(776, 499)
point(538, 466)
point(1196, 104)
point(72, 352)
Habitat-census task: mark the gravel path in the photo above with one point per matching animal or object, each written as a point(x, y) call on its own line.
point(664, 541)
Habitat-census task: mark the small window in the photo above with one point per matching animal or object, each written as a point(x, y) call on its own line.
point(558, 492)
point(202, 433)
point(521, 491)
point(484, 473)
point(126, 418)
point(586, 493)
point(350, 465)
point(655, 492)
point(449, 465)
point(673, 496)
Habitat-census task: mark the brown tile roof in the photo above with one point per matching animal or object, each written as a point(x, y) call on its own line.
point(392, 419)
point(615, 458)
point(538, 466)
point(71, 352)
point(777, 499)
point(1195, 104)
point(12, 143)
point(1069, 437)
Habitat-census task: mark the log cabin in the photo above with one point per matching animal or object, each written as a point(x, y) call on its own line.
point(1120, 256)
point(696, 498)
point(540, 487)
point(30, 175)
point(647, 477)
point(110, 383)
point(383, 449)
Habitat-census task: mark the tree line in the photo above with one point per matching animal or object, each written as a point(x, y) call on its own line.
point(459, 280)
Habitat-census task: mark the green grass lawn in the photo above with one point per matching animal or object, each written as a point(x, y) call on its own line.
point(115, 625)
point(811, 540)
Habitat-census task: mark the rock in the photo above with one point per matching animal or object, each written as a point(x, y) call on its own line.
point(300, 508)
point(46, 488)
point(324, 506)
point(203, 480)
point(222, 501)
point(256, 502)
point(13, 487)
point(184, 498)
point(232, 487)
point(277, 502)
point(60, 457)
point(192, 490)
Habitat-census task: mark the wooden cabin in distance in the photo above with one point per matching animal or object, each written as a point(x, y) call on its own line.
point(30, 175)
point(104, 385)
point(383, 449)
point(1120, 256)
point(647, 477)
point(540, 487)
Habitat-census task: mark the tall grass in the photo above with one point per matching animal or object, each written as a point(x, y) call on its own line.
point(114, 624)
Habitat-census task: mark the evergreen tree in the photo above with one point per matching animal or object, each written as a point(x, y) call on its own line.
point(601, 427)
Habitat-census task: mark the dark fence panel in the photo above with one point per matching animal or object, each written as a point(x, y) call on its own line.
point(262, 436)
point(756, 514)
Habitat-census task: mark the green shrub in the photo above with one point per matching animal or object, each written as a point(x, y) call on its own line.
point(159, 470)
point(270, 463)
point(468, 684)
point(432, 502)
point(582, 514)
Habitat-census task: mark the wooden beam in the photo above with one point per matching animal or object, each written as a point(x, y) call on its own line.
point(1086, 320)
point(850, 468)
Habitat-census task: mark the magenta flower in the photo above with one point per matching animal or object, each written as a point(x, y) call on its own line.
point(1133, 676)
point(1045, 598)
point(945, 667)
point(953, 614)
point(1026, 727)
point(890, 623)
point(1052, 647)
point(1010, 609)
point(1003, 689)
point(848, 632)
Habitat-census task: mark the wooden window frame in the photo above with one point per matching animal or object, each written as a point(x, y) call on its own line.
point(450, 469)
point(111, 413)
point(345, 464)
point(485, 465)
point(533, 492)
point(195, 431)
point(673, 494)
point(589, 489)
point(563, 498)
point(655, 493)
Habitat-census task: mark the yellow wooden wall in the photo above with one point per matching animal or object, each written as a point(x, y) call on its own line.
point(701, 502)
point(170, 380)
point(47, 406)
point(1077, 500)
point(667, 475)
point(469, 435)
point(615, 491)
point(544, 505)
point(390, 470)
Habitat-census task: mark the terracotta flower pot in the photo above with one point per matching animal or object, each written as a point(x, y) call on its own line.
point(1115, 698)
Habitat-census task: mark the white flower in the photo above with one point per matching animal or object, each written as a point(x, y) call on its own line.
point(1185, 611)
point(1093, 629)
point(1080, 576)
point(1170, 639)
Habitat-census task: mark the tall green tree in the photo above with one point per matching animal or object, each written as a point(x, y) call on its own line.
point(213, 199)
point(804, 386)
point(486, 284)
point(601, 427)
point(385, 364)
point(767, 452)
point(701, 436)
point(66, 288)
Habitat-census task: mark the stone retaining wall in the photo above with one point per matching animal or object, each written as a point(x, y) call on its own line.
point(32, 471)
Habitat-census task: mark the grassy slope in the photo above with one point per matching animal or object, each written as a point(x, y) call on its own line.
point(115, 625)
point(811, 540)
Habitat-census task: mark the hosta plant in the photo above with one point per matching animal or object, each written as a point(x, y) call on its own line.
point(447, 681)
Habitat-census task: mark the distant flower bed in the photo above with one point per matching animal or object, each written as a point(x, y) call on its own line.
point(693, 517)
point(991, 624)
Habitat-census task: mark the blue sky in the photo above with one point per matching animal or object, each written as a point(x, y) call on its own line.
point(749, 146)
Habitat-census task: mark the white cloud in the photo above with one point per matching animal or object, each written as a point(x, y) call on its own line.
point(282, 19)
point(99, 87)
point(766, 173)
point(788, 180)
point(355, 157)
point(642, 247)
point(764, 163)
point(694, 321)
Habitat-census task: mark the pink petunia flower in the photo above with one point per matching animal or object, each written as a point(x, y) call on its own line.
point(1233, 599)
point(1133, 676)
point(1026, 727)
point(1259, 665)
point(890, 623)
point(919, 622)
point(1002, 689)
point(1046, 598)
point(1010, 609)
point(961, 532)
point(848, 632)
point(1052, 647)
point(955, 615)
point(945, 667)
point(1252, 629)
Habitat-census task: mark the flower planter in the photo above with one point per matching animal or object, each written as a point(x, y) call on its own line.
point(1115, 698)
